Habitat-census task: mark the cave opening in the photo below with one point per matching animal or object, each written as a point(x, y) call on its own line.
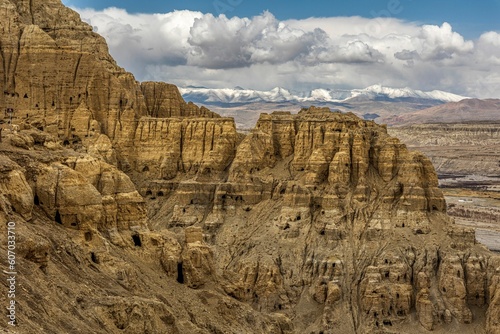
point(180, 273)
point(93, 257)
point(88, 236)
point(160, 194)
point(36, 200)
point(58, 218)
point(137, 240)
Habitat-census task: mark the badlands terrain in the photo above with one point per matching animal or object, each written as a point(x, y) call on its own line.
point(467, 159)
point(136, 212)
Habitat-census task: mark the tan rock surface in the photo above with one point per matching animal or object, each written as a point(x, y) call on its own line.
point(316, 222)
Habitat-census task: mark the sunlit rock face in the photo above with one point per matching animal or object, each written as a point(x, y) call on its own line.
point(139, 212)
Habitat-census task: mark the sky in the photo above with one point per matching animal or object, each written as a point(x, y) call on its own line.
point(448, 45)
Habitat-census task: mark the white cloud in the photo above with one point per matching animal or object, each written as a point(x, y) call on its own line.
point(185, 47)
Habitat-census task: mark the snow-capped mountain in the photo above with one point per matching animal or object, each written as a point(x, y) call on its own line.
point(278, 94)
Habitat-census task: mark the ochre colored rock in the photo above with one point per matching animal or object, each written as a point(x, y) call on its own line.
point(15, 188)
point(314, 222)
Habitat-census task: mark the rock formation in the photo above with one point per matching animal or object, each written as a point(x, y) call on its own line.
point(137, 212)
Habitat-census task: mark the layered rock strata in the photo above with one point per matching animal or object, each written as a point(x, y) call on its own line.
point(313, 223)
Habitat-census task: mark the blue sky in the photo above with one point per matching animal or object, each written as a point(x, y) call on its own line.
point(469, 18)
point(444, 45)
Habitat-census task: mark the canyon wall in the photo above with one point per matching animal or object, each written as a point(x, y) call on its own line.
point(139, 212)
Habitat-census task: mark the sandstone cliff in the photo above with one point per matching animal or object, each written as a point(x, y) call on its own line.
point(140, 213)
point(324, 215)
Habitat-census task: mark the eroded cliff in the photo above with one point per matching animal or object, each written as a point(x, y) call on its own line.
point(137, 212)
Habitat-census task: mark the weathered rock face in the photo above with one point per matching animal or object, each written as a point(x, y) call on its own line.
point(15, 188)
point(313, 223)
point(164, 100)
point(165, 147)
point(59, 77)
point(322, 214)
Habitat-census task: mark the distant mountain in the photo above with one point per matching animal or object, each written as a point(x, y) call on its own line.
point(239, 95)
point(469, 110)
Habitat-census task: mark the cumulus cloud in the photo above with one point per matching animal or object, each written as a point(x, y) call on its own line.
point(186, 47)
point(219, 42)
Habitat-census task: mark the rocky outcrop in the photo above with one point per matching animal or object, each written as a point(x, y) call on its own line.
point(14, 188)
point(318, 222)
point(164, 101)
point(326, 210)
point(165, 147)
point(59, 77)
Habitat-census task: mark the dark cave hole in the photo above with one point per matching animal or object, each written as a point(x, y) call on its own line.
point(160, 194)
point(387, 323)
point(88, 236)
point(322, 232)
point(94, 258)
point(66, 142)
point(298, 218)
point(26, 95)
point(73, 224)
point(36, 200)
point(58, 218)
point(180, 273)
point(137, 240)
point(149, 193)
point(145, 169)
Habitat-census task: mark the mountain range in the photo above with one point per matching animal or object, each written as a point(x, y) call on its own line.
point(239, 95)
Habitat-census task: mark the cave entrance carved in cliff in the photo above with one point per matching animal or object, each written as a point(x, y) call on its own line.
point(180, 273)
point(58, 218)
point(137, 240)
